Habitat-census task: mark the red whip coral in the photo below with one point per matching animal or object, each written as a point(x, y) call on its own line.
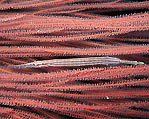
point(74, 59)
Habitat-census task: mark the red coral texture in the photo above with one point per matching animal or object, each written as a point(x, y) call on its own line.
point(74, 59)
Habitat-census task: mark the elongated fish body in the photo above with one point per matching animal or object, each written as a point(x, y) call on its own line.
point(77, 62)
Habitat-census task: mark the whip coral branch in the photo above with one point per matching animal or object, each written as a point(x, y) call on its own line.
point(74, 59)
point(83, 74)
point(66, 51)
